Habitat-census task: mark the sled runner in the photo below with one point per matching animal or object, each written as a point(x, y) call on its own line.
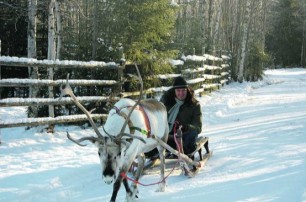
point(182, 163)
point(202, 142)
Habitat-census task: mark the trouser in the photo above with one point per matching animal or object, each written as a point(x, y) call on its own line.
point(189, 141)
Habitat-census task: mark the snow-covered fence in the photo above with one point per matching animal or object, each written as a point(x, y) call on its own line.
point(25, 62)
point(204, 73)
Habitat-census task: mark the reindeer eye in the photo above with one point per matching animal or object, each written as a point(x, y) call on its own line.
point(99, 153)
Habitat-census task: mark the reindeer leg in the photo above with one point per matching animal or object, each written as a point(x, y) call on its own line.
point(162, 185)
point(134, 186)
point(116, 188)
point(126, 186)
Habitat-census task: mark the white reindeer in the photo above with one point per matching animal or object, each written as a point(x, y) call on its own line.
point(119, 145)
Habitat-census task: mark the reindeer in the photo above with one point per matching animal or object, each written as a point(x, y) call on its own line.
point(119, 145)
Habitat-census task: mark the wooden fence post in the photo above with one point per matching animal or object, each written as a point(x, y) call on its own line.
point(0, 73)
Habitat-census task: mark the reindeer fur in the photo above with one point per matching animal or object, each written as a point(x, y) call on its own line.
point(117, 147)
point(116, 158)
point(157, 115)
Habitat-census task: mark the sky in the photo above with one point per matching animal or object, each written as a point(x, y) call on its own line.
point(257, 132)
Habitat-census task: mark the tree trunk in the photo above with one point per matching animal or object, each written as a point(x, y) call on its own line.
point(58, 29)
point(95, 31)
point(244, 41)
point(209, 28)
point(0, 73)
point(302, 48)
point(215, 35)
point(32, 53)
point(202, 5)
point(51, 54)
point(94, 41)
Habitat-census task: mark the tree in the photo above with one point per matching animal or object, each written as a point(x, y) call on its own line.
point(144, 29)
point(244, 40)
point(285, 37)
point(51, 54)
point(33, 71)
point(13, 20)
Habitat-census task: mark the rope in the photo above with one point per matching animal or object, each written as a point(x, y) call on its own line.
point(154, 183)
point(175, 140)
point(123, 174)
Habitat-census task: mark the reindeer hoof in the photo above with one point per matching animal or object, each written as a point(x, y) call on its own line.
point(161, 187)
point(131, 197)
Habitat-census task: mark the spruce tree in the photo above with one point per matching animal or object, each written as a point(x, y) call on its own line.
point(144, 29)
point(285, 37)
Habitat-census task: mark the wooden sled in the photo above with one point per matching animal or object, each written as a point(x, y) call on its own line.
point(183, 163)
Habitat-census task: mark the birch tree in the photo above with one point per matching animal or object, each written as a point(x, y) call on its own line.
point(215, 32)
point(303, 20)
point(95, 30)
point(32, 53)
point(209, 28)
point(202, 16)
point(51, 53)
point(244, 40)
point(58, 29)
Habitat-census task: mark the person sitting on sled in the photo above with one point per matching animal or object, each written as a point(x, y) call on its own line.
point(184, 111)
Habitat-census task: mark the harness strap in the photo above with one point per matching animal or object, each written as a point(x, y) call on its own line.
point(130, 124)
point(143, 131)
point(148, 125)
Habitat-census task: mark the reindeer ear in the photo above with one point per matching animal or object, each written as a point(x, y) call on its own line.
point(125, 145)
point(98, 142)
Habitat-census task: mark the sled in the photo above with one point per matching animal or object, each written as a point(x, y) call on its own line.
point(183, 163)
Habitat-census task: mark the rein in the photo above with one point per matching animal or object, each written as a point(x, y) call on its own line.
point(123, 174)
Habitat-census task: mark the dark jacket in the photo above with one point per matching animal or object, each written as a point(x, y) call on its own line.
point(190, 114)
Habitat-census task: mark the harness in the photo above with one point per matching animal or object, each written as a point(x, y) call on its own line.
point(147, 131)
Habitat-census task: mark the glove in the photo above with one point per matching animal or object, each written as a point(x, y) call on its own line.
point(177, 125)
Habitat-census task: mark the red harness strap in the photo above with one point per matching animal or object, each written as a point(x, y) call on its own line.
point(132, 127)
point(147, 121)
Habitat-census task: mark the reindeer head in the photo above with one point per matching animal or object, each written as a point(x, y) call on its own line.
point(109, 154)
point(110, 143)
point(111, 150)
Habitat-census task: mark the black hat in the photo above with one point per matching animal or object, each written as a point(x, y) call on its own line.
point(180, 82)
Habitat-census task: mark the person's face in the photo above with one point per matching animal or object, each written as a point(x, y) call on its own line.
point(181, 93)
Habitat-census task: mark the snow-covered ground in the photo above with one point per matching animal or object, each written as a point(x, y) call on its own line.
point(257, 132)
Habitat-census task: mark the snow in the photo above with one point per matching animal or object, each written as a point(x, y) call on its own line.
point(176, 62)
point(167, 76)
point(257, 133)
point(194, 58)
point(58, 82)
point(74, 63)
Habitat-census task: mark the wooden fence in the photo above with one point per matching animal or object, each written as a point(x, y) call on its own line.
point(204, 73)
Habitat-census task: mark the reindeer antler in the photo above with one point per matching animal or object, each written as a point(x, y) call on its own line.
point(121, 134)
point(78, 141)
point(68, 91)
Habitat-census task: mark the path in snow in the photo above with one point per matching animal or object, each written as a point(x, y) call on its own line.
point(257, 132)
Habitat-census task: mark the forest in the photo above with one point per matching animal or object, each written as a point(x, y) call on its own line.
point(256, 34)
